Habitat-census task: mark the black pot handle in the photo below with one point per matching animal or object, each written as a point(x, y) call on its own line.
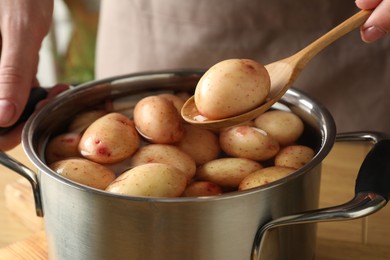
point(372, 191)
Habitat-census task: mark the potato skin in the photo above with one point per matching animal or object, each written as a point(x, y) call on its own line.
point(201, 144)
point(285, 127)
point(150, 180)
point(62, 146)
point(264, 176)
point(85, 119)
point(110, 139)
point(84, 172)
point(231, 87)
point(227, 172)
point(201, 189)
point(294, 156)
point(248, 142)
point(167, 154)
point(158, 121)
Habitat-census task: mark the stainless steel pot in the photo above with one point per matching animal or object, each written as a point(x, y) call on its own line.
point(84, 223)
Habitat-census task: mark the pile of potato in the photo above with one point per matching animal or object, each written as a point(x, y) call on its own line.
point(153, 152)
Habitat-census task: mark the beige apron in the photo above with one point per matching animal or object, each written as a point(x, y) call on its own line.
point(350, 78)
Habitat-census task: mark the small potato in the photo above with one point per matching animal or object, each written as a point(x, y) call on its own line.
point(150, 180)
point(158, 121)
point(178, 102)
point(83, 120)
point(201, 144)
point(264, 176)
point(248, 142)
point(62, 146)
point(201, 189)
point(294, 156)
point(284, 126)
point(167, 154)
point(110, 139)
point(231, 87)
point(227, 172)
point(84, 172)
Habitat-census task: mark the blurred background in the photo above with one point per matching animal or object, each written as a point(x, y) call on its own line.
point(68, 52)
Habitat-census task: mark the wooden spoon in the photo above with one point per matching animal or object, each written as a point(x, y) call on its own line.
point(282, 73)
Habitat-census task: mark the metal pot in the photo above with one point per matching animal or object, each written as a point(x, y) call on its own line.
point(84, 223)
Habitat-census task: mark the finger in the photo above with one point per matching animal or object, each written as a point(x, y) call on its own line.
point(378, 24)
point(18, 58)
point(367, 4)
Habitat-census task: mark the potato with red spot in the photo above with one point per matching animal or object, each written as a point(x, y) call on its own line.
point(201, 189)
point(150, 180)
point(264, 176)
point(167, 154)
point(227, 172)
point(110, 139)
point(294, 156)
point(158, 121)
point(248, 142)
point(286, 127)
point(231, 87)
point(84, 172)
point(62, 146)
point(201, 144)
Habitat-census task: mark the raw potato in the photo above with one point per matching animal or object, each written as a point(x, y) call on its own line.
point(201, 144)
point(201, 189)
point(150, 180)
point(110, 139)
point(264, 176)
point(227, 172)
point(231, 87)
point(84, 172)
point(158, 121)
point(284, 126)
point(83, 120)
point(294, 156)
point(167, 154)
point(62, 146)
point(177, 102)
point(248, 142)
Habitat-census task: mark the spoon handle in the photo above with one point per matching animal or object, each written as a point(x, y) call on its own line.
point(305, 55)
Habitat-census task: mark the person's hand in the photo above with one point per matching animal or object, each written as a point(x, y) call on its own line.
point(23, 25)
point(378, 24)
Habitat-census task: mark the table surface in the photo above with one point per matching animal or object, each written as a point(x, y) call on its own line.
point(363, 239)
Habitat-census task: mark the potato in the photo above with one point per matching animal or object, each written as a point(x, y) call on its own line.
point(177, 102)
point(167, 154)
point(264, 176)
point(110, 139)
point(284, 126)
point(201, 144)
point(248, 142)
point(158, 121)
point(150, 180)
point(84, 172)
point(201, 189)
point(227, 172)
point(83, 120)
point(231, 87)
point(62, 146)
point(294, 156)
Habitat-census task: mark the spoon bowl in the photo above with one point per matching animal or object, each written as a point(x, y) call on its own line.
point(282, 73)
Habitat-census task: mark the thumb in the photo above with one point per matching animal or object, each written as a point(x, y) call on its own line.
point(18, 65)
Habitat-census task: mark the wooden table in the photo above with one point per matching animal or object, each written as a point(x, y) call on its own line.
point(362, 239)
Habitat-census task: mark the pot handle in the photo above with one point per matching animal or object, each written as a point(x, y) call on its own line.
point(372, 191)
point(27, 173)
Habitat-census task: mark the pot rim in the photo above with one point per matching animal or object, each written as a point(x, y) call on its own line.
point(328, 135)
